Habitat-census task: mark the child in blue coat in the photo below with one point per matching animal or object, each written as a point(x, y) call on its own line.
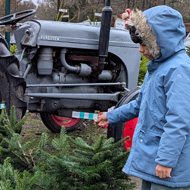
point(160, 153)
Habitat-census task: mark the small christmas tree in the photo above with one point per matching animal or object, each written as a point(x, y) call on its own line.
point(96, 167)
point(73, 164)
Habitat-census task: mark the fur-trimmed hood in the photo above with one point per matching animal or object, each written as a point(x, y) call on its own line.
point(161, 29)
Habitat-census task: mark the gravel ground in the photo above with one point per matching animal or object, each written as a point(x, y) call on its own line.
point(137, 181)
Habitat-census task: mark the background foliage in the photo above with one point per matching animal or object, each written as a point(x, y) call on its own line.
point(47, 9)
point(188, 51)
point(142, 70)
point(143, 67)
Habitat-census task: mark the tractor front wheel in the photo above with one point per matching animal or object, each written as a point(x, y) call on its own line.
point(55, 122)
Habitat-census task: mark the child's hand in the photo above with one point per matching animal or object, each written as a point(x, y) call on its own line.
point(102, 120)
point(163, 171)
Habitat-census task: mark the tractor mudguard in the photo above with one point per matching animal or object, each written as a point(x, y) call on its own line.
point(4, 52)
point(8, 62)
point(2, 40)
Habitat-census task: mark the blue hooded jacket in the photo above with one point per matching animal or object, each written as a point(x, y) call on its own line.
point(162, 134)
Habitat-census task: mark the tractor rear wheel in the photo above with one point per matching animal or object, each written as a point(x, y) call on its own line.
point(55, 122)
point(127, 129)
point(12, 87)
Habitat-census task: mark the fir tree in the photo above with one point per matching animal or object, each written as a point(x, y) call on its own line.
point(24, 156)
point(8, 124)
point(11, 179)
point(96, 167)
point(72, 165)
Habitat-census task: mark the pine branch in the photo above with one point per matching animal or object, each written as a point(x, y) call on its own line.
point(32, 159)
point(18, 157)
point(120, 157)
point(8, 129)
point(82, 160)
point(43, 141)
point(12, 116)
point(98, 186)
point(19, 124)
point(117, 144)
point(80, 143)
point(99, 143)
point(108, 142)
point(101, 156)
point(61, 143)
point(84, 153)
point(29, 145)
point(24, 154)
point(6, 119)
point(105, 167)
point(40, 186)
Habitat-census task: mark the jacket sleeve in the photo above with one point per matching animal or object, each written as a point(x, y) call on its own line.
point(177, 126)
point(125, 112)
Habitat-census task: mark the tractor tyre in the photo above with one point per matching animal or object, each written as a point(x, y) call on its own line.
point(54, 122)
point(12, 87)
point(126, 129)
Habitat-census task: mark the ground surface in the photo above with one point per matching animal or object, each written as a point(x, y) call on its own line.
point(137, 181)
point(33, 128)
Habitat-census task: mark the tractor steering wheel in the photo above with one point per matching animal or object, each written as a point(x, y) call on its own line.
point(14, 18)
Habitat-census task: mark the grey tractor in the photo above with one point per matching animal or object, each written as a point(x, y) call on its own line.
point(61, 67)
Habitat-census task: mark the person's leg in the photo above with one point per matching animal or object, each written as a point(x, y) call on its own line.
point(145, 185)
point(155, 186)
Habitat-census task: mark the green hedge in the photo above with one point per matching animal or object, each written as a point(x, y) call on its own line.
point(13, 48)
point(188, 50)
point(142, 69)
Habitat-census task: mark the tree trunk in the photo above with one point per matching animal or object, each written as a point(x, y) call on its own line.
point(149, 4)
point(78, 15)
point(58, 5)
point(155, 2)
point(128, 4)
point(143, 4)
point(134, 4)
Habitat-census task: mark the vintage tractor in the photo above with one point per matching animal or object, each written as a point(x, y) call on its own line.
point(62, 67)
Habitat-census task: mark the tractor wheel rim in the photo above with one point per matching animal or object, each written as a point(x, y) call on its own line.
point(64, 121)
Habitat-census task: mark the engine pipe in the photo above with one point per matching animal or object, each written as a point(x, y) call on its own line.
point(75, 69)
point(82, 70)
point(105, 32)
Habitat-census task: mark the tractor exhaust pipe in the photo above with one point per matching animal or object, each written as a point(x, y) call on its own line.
point(104, 33)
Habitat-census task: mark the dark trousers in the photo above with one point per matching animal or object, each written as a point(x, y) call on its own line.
point(153, 186)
